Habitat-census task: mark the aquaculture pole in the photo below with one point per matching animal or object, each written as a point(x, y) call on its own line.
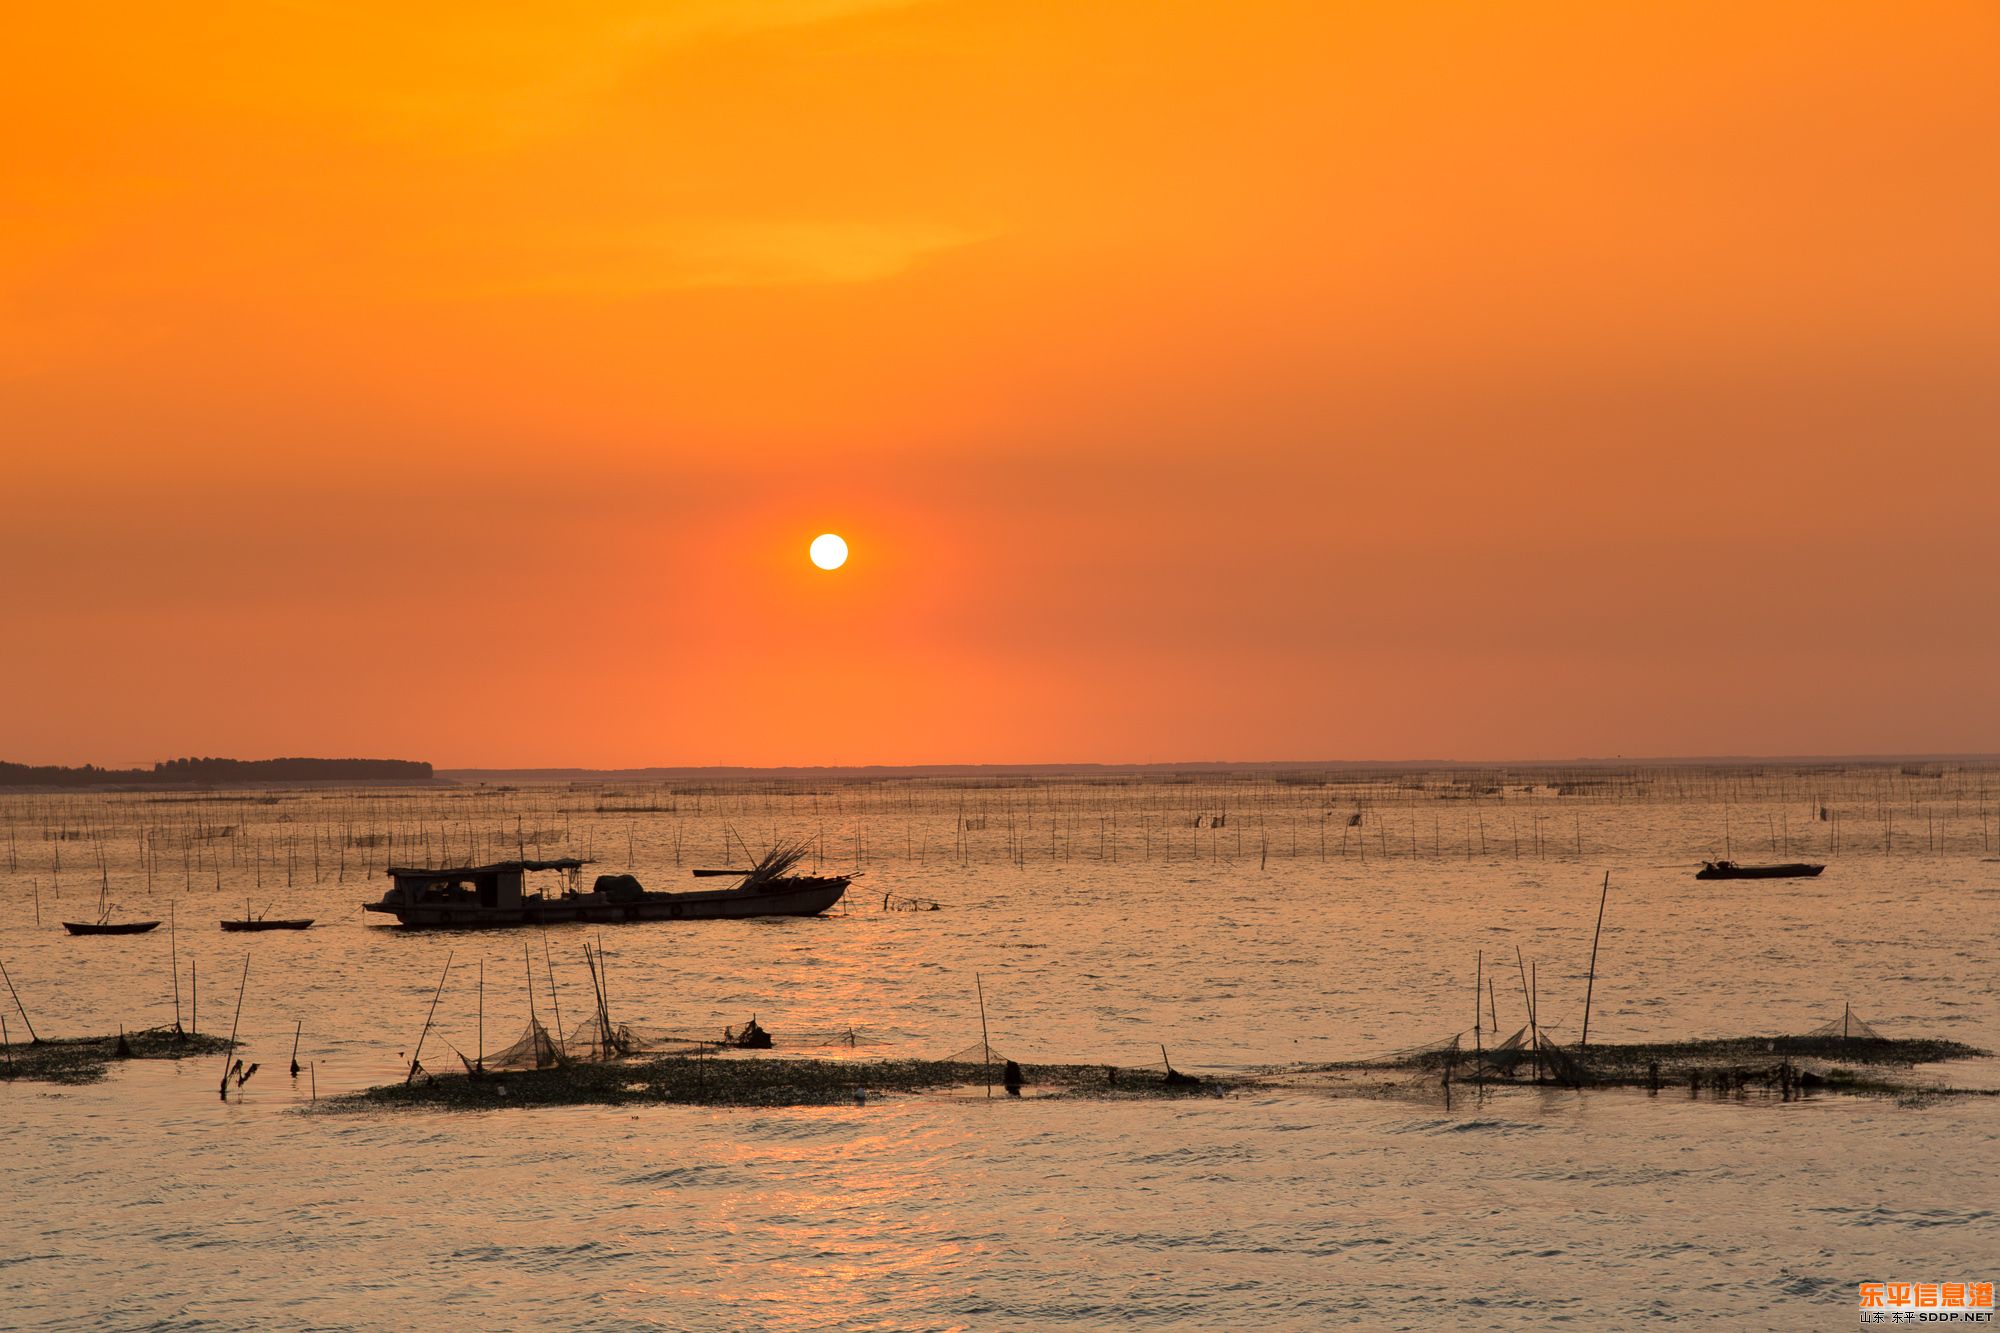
point(411, 1076)
point(528, 968)
point(1591, 985)
point(1478, 985)
point(554, 998)
point(985, 1044)
point(241, 986)
point(1528, 998)
point(295, 1046)
point(174, 961)
point(33, 1040)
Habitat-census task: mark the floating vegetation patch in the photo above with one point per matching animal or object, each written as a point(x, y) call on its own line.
point(85, 1059)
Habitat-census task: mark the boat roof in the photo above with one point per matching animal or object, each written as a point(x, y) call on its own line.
point(467, 872)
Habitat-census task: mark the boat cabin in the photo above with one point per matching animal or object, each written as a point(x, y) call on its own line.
point(500, 886)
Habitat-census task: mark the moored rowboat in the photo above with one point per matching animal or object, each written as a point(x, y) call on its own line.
point(108, 927)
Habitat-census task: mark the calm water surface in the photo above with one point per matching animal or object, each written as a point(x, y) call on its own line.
point(145, 1200)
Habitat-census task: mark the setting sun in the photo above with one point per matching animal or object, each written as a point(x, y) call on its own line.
point(829, 551)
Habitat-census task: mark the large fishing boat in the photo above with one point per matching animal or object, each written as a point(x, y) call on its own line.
point(498, 894)
point(1730, 870)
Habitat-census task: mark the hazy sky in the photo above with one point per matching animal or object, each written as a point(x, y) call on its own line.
point(1246, 380)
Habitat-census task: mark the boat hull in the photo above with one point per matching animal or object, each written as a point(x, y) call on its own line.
point(1796, 871)
point(299, 924)
point(803, 897)
point(113, 928)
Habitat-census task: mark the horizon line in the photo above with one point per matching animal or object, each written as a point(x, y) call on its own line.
point(1181, 765)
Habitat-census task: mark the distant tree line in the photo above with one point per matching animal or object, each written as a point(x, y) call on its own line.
point(219, 772)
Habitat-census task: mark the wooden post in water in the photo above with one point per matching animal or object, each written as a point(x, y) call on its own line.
point(301, 1027)
point(1591, 984)
point(985, 1042)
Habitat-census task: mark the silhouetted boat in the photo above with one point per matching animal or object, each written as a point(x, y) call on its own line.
point(1730, 870)
point(258, 921)
point(495, 895)
point(104, 925)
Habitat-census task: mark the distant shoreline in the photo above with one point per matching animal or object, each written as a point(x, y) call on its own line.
point(217, 773)
point(1193, 768)
point(184, 774)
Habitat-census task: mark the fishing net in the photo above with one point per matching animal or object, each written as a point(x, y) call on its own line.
point(1429, 1055)
point(1501, 1059)
point(598, 1038)
point(1847, 1027)
point(1560, 1065)
point(978, 1053)
point(535, 1050)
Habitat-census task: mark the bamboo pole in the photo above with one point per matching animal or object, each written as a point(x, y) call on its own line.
point(230, 1050)
point(1478, 984)
point(1534, 1022)
point(554, 998)
point(985, 1042)
point(174, 962)
point(418, 1052)
point(33, 1040)
point(1591, 984)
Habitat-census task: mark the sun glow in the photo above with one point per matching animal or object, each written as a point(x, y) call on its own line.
point(829, 551)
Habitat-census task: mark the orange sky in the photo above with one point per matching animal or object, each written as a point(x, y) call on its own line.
point(464, 382)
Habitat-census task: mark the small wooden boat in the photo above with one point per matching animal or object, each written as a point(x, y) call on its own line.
point(104, 925)
point(266, 923)
point(1730, 870)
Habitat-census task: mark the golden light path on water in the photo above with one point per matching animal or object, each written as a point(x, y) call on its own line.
point(1105, 918)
